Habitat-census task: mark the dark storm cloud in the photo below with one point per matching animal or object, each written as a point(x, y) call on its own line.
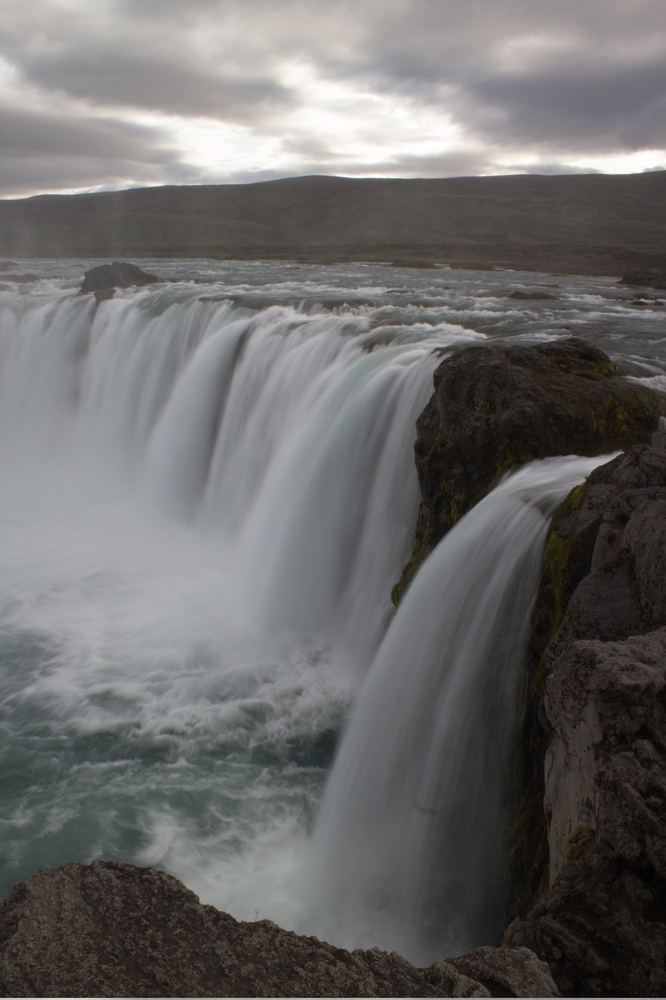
point(523, 81)
point(625, 109)
point(108, 77)
point(79, 152)
point(593, 75)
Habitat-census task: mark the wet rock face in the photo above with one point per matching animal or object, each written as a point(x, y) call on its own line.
point(600, 732)
point(606, 765)
point(601, 928)
point(103, 280)
point(112, 929)
point(496, 408)
point(590, 588)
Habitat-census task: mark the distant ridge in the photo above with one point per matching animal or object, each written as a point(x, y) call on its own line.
point(334, 217)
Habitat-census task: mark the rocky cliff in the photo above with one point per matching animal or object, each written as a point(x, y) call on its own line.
point(110, 929)
point(496, 408)
point(594, 738)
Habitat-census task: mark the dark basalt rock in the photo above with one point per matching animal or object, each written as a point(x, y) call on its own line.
point(589, 795)
point(112, 929)
point(588, 590)
point(103, 280)
point(531, 296)
point(496, 408)
point(601, 928)
point(646, 278)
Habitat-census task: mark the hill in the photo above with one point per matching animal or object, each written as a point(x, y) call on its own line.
point(478, 219)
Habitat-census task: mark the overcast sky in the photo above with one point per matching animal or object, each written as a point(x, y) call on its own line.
point(121, 93)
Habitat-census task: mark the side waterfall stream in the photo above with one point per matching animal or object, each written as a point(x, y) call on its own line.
point(408, 841)
point(205, 501)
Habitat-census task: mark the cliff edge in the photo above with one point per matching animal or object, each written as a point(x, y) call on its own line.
point(114, 930)
point(594, 738)
point(495, 408)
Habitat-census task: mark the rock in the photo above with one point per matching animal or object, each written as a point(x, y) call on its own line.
point(589, 589)
point(596, 719)
point(641, 300)
point(112, 929)
point(21, 279)
point(531, 296)
point(103, 280)
point(514, 971)
point(426, 265)
point(601, 928)
point(495, 408)
point(647, 278)
point(606, 765)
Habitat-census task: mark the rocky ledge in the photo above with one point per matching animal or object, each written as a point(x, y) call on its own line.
point(496, 408)
point(114, 930)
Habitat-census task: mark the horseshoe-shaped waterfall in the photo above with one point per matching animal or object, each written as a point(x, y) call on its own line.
point(206, 499)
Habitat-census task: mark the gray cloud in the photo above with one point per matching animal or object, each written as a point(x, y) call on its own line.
point(521, 80)
point(40, 150)
point(624, 110)
point(107, 77)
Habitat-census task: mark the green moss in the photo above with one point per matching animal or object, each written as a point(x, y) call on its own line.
point(423, 547)
point(581, 843)
point(601, 369)
point(559, 579)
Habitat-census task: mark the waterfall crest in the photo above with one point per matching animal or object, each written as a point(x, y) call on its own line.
point(406, 852)
point(285, 434)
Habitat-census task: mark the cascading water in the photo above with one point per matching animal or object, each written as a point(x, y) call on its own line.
point(205, 501)
point(406, 852)
point(205, 506)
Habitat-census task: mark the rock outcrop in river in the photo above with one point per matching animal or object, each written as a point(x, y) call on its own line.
point(104, 279)
point(112, 929)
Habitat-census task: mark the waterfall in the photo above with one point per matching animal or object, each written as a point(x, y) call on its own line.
point(205, 505)
point(406, 852)
point(285, 434)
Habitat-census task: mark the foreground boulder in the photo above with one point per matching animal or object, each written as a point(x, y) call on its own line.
point(496, 408)
point(112, 929)
point(103, 280)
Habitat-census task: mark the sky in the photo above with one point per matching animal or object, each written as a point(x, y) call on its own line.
point(127, 93)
